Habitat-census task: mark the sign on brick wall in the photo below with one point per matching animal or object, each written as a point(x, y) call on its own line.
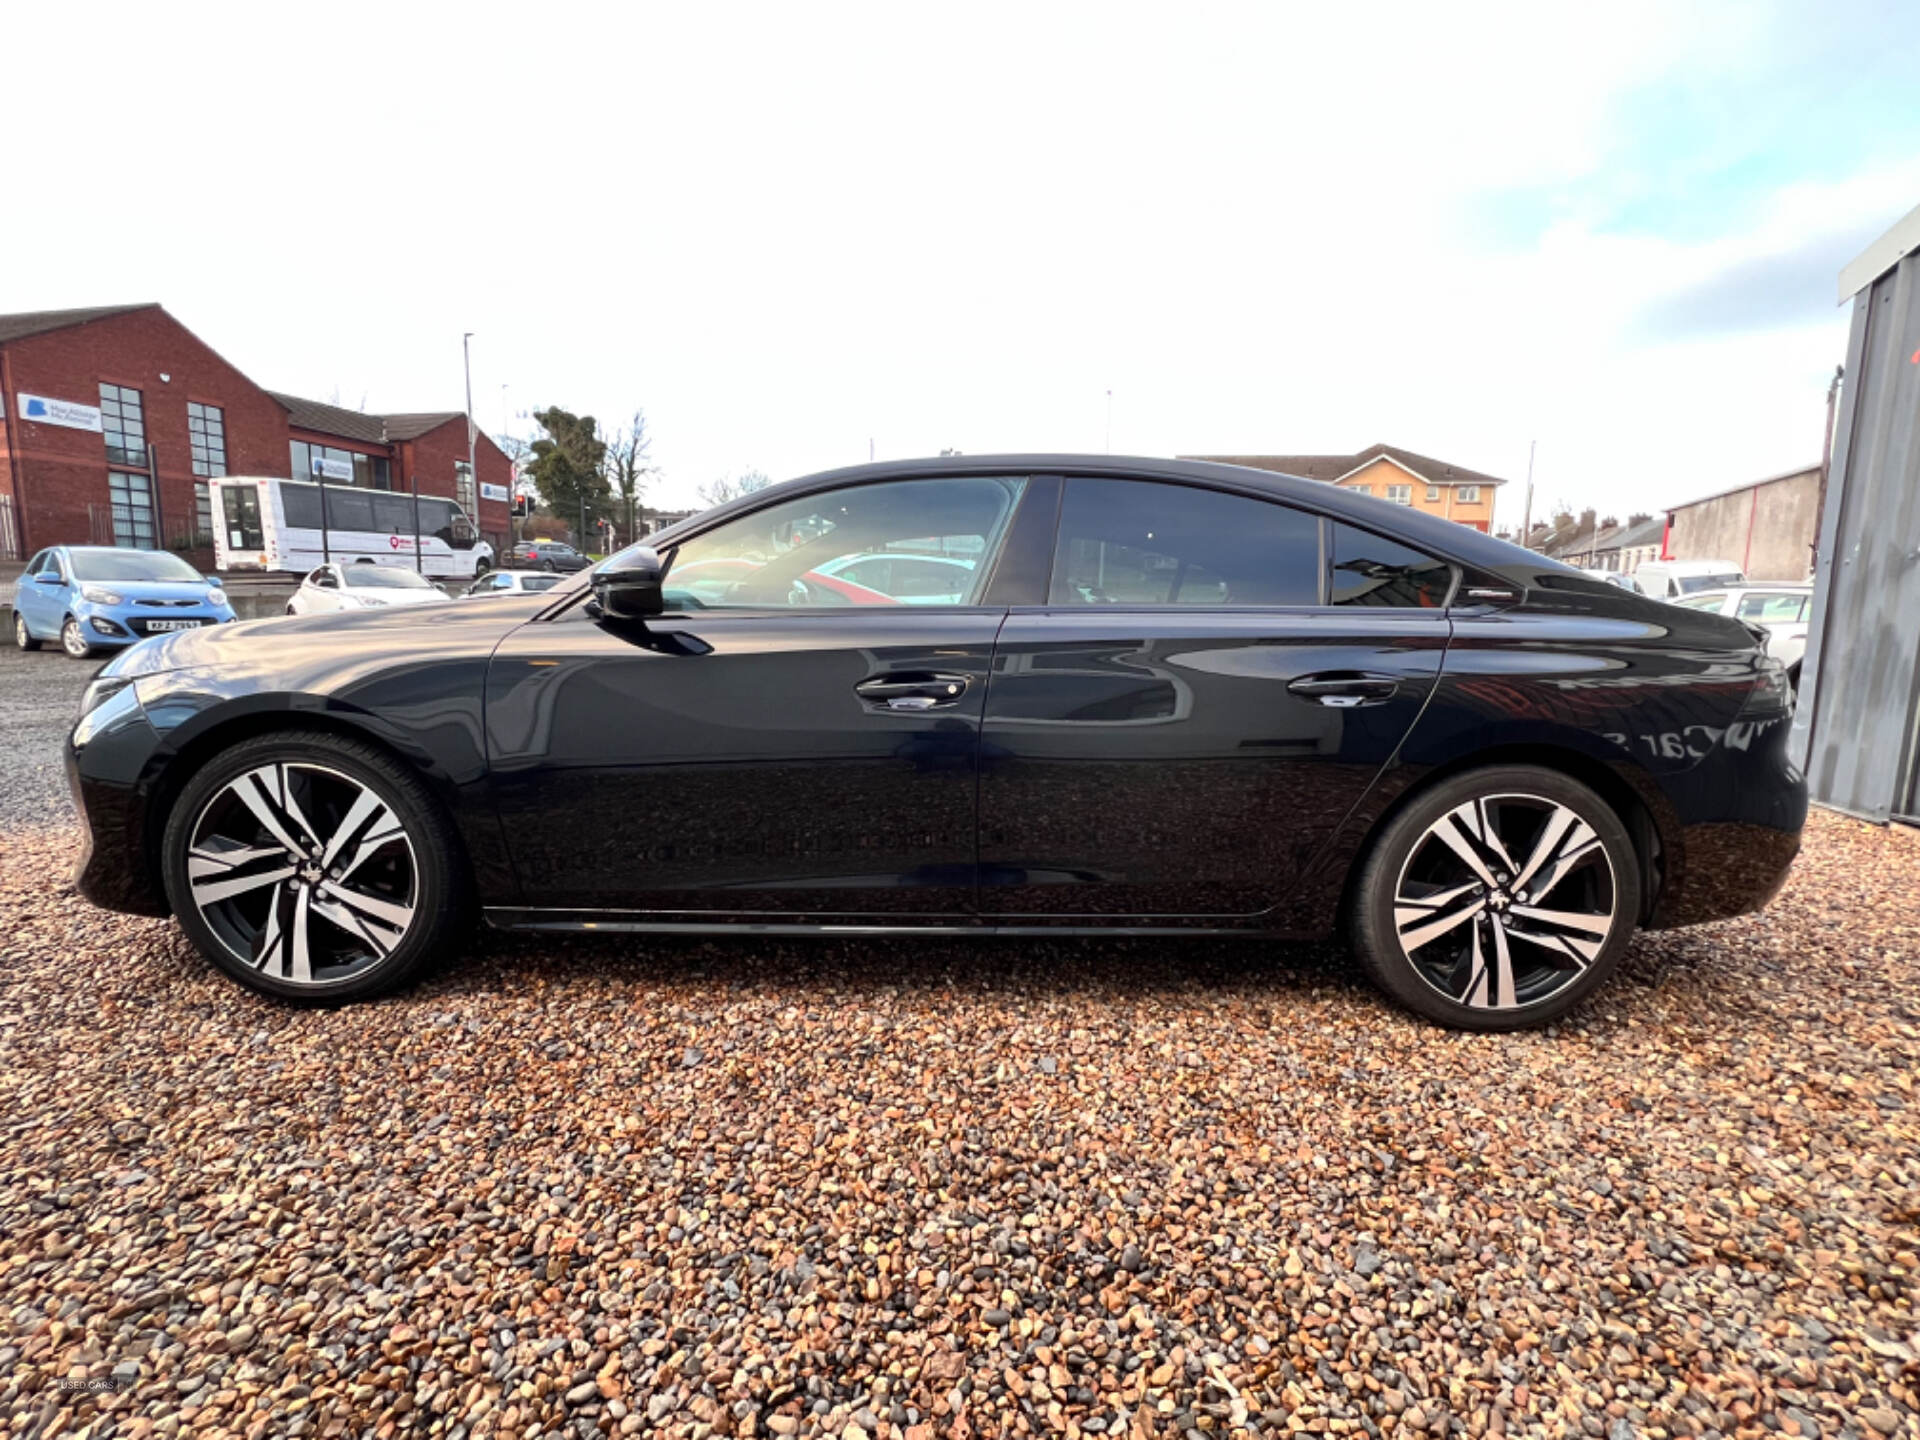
point(60, 412)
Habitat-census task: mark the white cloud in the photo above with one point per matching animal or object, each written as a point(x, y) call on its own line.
point(787, 231)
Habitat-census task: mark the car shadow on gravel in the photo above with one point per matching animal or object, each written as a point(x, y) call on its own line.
point(1248, 967)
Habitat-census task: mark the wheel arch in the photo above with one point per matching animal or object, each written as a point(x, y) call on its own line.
point(211, 739)
point(1647, 818)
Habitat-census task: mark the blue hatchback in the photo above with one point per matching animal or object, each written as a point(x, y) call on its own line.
point(92, 598)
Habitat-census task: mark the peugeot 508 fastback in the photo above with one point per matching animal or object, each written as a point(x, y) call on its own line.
point(1156, 696)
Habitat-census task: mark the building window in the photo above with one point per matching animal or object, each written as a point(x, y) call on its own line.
point(207, 434)
point(463, 490)
point(132, 497)
point(343, 467)
point(125, 423)
point(1400, 494)
point(1469, 495)
point(1433, 493)
point(202, 513)
point(1362, 489)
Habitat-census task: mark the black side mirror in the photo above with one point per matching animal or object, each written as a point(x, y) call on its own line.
point(628, 585)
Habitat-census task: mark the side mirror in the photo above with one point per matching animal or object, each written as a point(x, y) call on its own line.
point(628, 585)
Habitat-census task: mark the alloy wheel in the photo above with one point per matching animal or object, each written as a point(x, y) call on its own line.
point(73, 641)
point(303, 873)
point(1505, 901)
point(21, 635)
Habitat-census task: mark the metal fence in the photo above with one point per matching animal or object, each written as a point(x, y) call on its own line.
point(1857, 729)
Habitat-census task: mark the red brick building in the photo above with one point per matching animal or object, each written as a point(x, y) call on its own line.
point(112, 419)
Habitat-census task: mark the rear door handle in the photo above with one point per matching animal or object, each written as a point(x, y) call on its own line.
point(913, 690)
point(1345, 689)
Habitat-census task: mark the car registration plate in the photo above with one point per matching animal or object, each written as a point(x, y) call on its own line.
point(154, 626)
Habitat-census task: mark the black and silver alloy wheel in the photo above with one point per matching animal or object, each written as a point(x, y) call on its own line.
point(1499, 899)
point(312, 867)
point(303, 872)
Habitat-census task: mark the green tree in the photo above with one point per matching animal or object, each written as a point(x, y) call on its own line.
point(569, 466)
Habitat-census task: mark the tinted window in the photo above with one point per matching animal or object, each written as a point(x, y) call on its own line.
point(393, 514)
point(538, 582)
point(349, 509)
point(1690, 583)
point(785, 554)
point(1368, 569)
point(1138, 542)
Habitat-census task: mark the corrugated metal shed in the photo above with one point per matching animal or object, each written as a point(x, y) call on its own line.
point(1857, 729)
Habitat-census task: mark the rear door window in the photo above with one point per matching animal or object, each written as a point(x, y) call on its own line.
point(1369, 569)
point(1144, 542)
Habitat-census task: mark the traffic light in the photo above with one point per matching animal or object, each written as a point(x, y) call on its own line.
point(522, 507)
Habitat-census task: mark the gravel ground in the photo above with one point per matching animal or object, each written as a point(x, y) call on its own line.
point(39, 696)
point(865, 1189)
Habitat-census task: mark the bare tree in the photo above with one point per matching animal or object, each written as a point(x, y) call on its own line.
point(719, 492)
point(629, 464)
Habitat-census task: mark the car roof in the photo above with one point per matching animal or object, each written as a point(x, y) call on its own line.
point(1693, 567)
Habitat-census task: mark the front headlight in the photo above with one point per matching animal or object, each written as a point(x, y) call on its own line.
point(101, 690)
point(100, 595)
point(217, 597)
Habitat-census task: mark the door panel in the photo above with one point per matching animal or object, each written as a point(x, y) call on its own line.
point(1185, 763)
point(744, 762)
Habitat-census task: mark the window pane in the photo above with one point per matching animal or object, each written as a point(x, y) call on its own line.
point(1134, 542)
point(301, 504)
point(1371, 570)
point(393, 514)
point(302, 461)
point(348, 509)
point(795, 554)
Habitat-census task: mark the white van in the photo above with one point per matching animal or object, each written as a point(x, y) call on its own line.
point(1670, 579)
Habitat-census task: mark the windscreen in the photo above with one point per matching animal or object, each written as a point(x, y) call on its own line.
point(384, 577)
point(132, 565)
point(1691, 583)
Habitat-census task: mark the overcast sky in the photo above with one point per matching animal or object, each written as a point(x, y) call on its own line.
point(793, 232)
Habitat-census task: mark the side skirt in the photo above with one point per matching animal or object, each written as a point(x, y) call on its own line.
point(618, 923)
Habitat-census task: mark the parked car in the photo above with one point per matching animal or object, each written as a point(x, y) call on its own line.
point(511, 582)
point(909, 578)
point(1174, 698)
point(1780, 607)
point(712, 582)
point(548, 555)
point(1670, 579)
point(360, 586)
point(1612, 577)
point(92, 598)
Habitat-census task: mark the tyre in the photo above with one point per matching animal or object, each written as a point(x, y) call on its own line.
point(314, 868)
point(547, 565)
point(481, 566)
point(290, 609)
point(1499, 899)
point(74, 640)
point(21, 635)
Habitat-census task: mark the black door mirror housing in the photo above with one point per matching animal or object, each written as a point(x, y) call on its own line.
point(628, 586)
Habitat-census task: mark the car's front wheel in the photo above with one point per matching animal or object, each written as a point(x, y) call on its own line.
point(1501, 898)
point(314, 867)
point(22, 636)
point(74, 640)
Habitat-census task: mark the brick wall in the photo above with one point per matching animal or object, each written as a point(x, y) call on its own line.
point(433, 456)
point(58, 474)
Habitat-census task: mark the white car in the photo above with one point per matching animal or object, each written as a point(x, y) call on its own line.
point(1782, 608)
point(911, 579)
point(361, 586)
point(1670, 579)
point(511, 582)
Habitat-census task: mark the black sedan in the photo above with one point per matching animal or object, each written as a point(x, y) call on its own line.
point(1160, 696)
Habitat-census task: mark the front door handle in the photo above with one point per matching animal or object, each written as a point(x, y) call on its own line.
point(913, 690)
point(1345, 689)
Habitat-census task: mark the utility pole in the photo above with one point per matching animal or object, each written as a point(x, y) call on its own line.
point(1526, 517)
point(473, 472)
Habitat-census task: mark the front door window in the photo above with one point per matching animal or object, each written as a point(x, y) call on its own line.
point(847, 547)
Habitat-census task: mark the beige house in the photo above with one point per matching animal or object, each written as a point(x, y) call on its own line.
point(1389, 473)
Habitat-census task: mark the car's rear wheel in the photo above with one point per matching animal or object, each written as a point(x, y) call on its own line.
point(481, 566)
point(1499, 899)
point(313, 867)
point(22, 636)
point(74, 640)
point(547, 565)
